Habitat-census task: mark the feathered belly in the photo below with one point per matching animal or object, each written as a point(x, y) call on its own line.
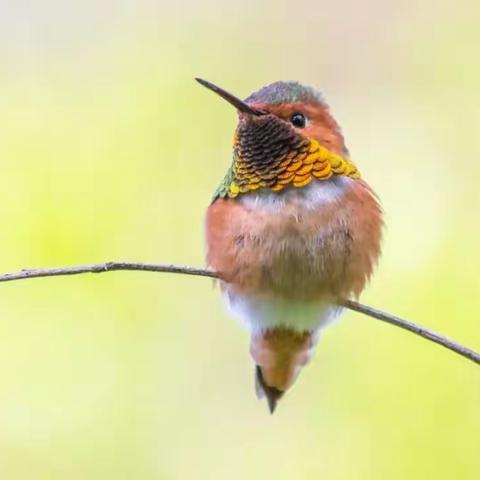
point(285, 260)
point(287, 257)
point(261, 313)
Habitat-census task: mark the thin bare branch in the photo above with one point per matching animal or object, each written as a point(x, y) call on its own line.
point(105, 267)
point(201, 272)
point(415, 328)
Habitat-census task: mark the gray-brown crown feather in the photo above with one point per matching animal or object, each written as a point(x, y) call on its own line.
point(285, 92)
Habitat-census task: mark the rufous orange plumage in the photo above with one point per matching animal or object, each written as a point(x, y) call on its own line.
point(291, 230)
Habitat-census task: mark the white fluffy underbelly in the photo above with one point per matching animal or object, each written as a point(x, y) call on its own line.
point(260, 314)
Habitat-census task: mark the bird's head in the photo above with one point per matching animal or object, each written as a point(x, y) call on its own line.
point(286, 137)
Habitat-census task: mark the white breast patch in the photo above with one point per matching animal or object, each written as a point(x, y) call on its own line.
point(314, 195)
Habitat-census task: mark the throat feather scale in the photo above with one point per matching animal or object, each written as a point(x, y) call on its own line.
point(272, 155)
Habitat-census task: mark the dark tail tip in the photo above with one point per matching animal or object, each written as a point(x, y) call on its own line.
point(271, 393)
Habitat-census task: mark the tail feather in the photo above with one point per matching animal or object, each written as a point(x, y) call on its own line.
point(263, 390)
point(279, 355)
point(258, 383)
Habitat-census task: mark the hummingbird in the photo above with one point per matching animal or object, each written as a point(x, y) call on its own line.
point(292, 230)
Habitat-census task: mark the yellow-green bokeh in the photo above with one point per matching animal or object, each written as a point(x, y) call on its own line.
point(109, 150)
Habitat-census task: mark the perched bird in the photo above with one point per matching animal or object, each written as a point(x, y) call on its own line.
point(291, 230)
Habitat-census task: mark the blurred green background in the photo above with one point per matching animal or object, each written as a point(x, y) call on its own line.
point(109, 150)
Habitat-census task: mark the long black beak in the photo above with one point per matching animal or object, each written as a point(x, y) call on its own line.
point(240, 105)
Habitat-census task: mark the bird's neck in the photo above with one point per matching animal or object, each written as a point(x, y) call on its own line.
point(309, 163)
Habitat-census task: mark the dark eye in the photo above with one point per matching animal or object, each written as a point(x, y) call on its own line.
point(298, 120)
